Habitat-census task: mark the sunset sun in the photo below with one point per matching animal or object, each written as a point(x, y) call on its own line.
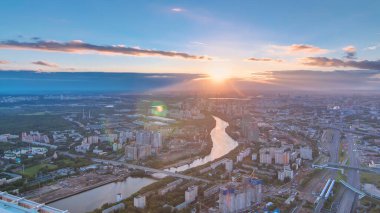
point(219, 75)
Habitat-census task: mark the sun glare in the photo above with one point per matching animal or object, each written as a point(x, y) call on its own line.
point(219, 75)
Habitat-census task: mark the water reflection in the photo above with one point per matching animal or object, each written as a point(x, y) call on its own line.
point(95, 198)
point(222, 144)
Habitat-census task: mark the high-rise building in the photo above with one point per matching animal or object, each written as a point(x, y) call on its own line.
point(240, 196)
point(191, 194)
point(156, 141)
point(144, 151)
point(286, 173)
point(249, 129)
point(134, 152)
point(281, 156)
point(131, 152)
point(143, 138)
point(229, 165)
point(265, 156)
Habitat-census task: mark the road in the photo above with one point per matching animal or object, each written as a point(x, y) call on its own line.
point(349, 200)
point(334, 157)
point(144, 168)
point(341, 129)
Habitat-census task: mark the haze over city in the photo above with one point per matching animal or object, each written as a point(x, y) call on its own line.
point(189, 106)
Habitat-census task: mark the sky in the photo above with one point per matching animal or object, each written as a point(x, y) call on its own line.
point(245, 39)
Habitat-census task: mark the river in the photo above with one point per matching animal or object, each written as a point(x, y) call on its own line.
point(95, 198)
point(87, 201)
point(222, 144)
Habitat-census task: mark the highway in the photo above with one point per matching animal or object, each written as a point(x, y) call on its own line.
point(148, 169)
point(334, 153)
point(341, 129)
point(349, 199)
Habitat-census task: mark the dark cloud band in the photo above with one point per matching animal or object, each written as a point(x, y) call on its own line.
point(44, 63)
point(80, 47)
point(333, 62)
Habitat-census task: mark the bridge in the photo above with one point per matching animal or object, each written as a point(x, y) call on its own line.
point(148, 169)
point(342, 167)
point(357, 191)
point(326, 166)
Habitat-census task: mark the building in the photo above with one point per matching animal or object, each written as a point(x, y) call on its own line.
point(249, 129)
point(144, 151)
point(286, 173)
point(138, 152)
point(125, 136)
point(191, 194)
point(281, 157)
point(9, 178)
point(3, 138)
point(83, 148)
point(306, 153)
point(229, 165)
point(240, 196)
point(131, 152)
point(265, 156)
point(34, 136)
point(143, 138)
point(11, 203)
point(156, 141)
point(169, 187)
point(243, 154)
point(86, 143)
point(139, 201)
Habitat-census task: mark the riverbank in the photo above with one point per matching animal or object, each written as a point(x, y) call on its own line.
point(72, 186)
point(176, 159)
point(116, 179)
point(102, 196)
point(223, 146)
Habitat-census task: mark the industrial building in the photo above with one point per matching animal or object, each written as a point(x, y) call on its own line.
point(14, 204)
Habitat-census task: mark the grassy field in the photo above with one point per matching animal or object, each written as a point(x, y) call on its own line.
point(15, 124)
point(370, 178)
point(31, 172)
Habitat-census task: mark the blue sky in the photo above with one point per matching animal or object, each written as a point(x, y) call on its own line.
point(275, 35)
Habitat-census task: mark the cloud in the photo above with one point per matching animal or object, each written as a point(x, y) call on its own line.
point(374, 47)
point(329, 81)
point(297, 49)
point(78, 46)
point(177, 9)
point(198, 43)
point(265, 60)
point(44, 63)
point(333, 62)
point(4, 62)
point(350, 52)
point(36, 38)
